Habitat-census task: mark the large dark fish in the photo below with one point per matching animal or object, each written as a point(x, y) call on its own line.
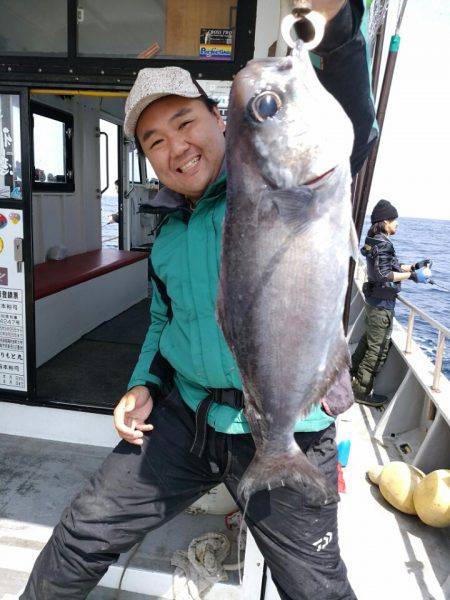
point(285, 251)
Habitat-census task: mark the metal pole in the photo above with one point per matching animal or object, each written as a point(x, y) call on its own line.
point(377, 55)
point(365, 177)
point(381, 112)
point(438, 367)
point(360, 177)
point(409, 332)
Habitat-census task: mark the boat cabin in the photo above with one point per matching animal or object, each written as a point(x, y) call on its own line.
point(74, 193)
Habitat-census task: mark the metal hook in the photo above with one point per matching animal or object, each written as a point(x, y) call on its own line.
point(315, 20)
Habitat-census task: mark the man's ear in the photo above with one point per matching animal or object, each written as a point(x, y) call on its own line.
point(219, 119)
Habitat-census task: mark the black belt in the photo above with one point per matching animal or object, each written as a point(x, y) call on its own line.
point(229, 397)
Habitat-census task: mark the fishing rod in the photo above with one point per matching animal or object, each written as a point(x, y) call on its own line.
point(439, 285)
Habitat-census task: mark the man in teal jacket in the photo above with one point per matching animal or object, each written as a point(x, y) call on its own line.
point(181, 420)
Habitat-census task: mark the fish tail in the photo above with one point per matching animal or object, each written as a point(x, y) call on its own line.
point(268, 471)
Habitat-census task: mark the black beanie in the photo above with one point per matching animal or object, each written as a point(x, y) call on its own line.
point(383, 210)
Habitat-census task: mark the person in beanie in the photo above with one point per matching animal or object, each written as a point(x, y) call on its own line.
point(384, 274)
point(181, 421)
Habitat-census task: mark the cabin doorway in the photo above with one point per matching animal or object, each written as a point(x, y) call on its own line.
point(109, 181)
point(91, 237)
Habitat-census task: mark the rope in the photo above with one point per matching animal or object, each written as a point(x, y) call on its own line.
point(125, 567)
point(201, 566)
point(377, 13)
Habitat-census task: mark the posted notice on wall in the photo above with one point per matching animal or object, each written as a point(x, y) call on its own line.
point(13, 351)
point(216, 44)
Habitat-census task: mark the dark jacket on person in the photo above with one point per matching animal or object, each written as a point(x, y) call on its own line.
point(382, 263)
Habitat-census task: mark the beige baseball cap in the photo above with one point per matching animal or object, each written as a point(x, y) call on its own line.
point(155, 83)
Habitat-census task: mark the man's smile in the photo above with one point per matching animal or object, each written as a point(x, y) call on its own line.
point(190, 164)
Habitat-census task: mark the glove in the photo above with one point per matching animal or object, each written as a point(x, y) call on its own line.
point(419, 275)
point(427, 262)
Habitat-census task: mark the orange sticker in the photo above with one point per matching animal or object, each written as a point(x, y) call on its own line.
point(15, 217)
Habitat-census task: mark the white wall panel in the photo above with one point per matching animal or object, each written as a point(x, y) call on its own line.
point(72, 220)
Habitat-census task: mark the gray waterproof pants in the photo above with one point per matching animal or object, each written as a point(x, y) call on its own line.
point(137, 489)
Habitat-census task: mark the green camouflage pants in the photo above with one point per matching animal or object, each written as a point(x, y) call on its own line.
point(372, 350)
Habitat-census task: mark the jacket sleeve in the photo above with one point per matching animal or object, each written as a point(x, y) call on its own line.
point(343, 67)
point(383, 268)
point(148, 369)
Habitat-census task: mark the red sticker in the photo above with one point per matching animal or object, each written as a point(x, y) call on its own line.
point(3, 221)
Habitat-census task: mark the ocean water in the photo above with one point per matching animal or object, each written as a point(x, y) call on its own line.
point(110, 231)
point(417, 239)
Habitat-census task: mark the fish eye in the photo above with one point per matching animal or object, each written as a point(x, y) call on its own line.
point(264, 105)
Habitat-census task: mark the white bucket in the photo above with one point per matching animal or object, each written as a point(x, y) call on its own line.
point(217, 501)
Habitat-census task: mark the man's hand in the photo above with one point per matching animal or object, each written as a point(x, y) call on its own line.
point(130, 415)
point(328, 8)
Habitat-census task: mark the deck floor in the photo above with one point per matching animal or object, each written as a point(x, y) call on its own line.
point(31, 468)
point(389, 555)
point(94, 371)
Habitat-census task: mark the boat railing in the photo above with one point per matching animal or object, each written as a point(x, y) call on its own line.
point(443, 334)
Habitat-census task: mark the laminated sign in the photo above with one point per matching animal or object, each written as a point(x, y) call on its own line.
point(13, 360)
point(216, 44)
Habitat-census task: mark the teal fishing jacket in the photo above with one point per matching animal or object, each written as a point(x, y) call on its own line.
point(186, 255)
point(184, 330)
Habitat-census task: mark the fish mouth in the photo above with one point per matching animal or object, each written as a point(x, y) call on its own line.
point(320, 178)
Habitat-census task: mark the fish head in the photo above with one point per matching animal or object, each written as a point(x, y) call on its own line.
point(291, 126)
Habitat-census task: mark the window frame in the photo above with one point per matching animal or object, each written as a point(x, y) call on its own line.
point(121, 72)
point(67, 119)
point(138, 156)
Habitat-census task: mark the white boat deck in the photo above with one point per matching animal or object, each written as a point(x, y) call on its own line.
point(389, 555)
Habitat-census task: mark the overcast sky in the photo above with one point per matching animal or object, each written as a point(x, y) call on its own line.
point(414, 158)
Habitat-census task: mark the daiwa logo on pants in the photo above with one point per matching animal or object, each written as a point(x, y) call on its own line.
point(324, 541)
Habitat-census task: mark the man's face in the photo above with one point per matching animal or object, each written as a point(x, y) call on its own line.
point(184, 143)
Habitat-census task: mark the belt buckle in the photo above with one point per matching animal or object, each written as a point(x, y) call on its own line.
point(217, 395)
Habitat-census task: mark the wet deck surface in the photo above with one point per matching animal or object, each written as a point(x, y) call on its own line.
point(38, 478)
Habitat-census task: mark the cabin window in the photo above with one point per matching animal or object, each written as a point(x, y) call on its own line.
point(150, 173)
point(200, 29)
point(52, 132)
point(10, 148)
point(134, 167)
point(33, 28)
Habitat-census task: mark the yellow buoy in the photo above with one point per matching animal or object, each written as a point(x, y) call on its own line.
point(432, 498)
point(374, 473)
point(397, 483)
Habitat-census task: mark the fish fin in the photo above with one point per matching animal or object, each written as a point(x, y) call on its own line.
point(296, 207)
point(269, 470)
point(354, 242)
